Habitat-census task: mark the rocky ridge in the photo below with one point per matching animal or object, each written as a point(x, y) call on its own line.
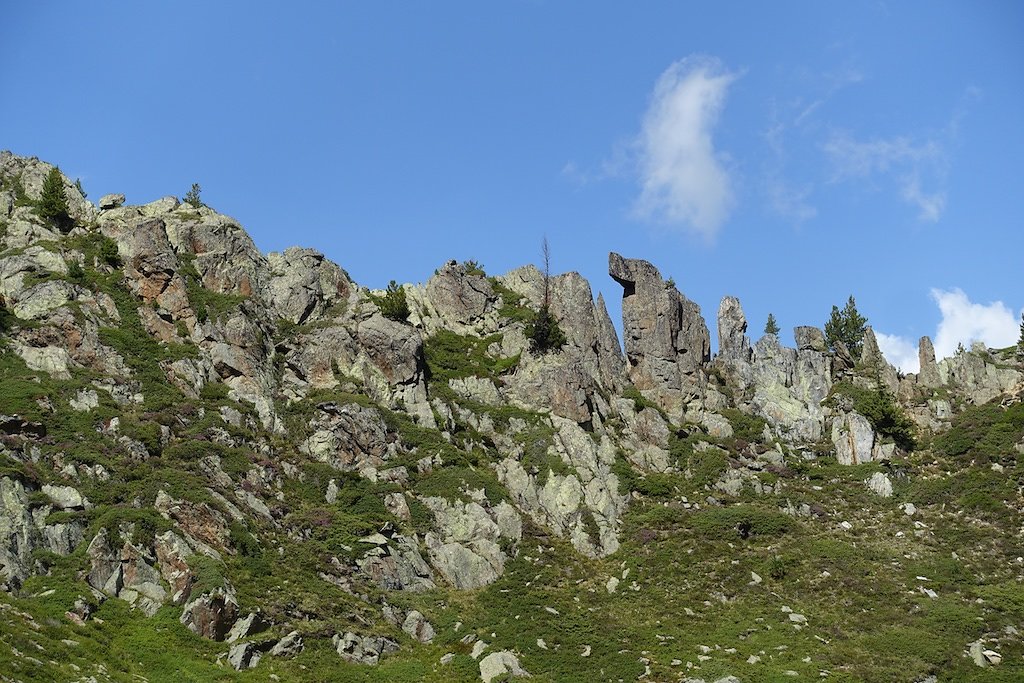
point(181, 412)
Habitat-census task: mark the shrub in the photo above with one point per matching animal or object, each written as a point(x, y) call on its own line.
point(744, 520)
point(393, 304)
point(544, 333)
point(109, 253)
point(882, 411)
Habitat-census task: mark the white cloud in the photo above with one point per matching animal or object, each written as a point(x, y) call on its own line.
point(899, 351)
point(683, 180)
point(899, 159)
point(963, 322)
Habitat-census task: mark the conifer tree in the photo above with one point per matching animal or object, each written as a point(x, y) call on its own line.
point(771, 327)
point(53, 203)
point(847, 326)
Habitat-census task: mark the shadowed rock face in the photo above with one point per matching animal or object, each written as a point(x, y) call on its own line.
point(666, 339)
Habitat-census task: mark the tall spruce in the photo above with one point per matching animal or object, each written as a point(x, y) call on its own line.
point(53, 202)
point(846, 326)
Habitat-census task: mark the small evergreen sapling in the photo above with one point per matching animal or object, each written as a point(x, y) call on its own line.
point(544, 333)
point(771, 327)
point(192, 196)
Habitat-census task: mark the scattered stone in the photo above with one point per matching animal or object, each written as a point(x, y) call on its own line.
point(499, 664)
point(478, 649)
point(880, 484)
point(447, 658)
point(755, 578)
point(289, 646)
point(243, 656)
point(417, 626)
point(612, 584)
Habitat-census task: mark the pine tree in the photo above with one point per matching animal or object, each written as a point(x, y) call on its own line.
point(53, 203)
point(846, 326)
point(544, 333)
point(1020, 344)
point(771, 327)
point(192, 196)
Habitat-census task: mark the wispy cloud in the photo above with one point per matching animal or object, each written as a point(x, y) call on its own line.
point(899, 351)
point(684, 182)
point(963, 322)
point(898, 159)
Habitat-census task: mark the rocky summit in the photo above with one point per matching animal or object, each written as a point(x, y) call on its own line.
point(217, 463)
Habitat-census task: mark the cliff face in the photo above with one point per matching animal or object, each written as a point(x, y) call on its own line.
point(187, 423)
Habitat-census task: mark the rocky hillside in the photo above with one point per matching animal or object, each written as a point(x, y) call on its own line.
point(217, 464)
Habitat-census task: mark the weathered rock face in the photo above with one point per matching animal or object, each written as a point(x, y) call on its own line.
point(788, 388)
point(459, 298)
point(502, 664)
point(591, 362)
point(667, 342)
point(465, 546)
point(976, 376)
point(872, 358)
point(303, 284)
point(733, 344)
point(32, 173)
point(584, 505)
point(127, 572)
point(349, 437)
point(212, 614)
point(23, 529)
point(396, 564)
point(856, 442)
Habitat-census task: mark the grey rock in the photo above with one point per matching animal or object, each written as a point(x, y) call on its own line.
point(809, 339)
point(289, 646)
point(85, 400)
point(243, 656)
point(212, 614)
point(733, 344)
point(853, 438)
point(872, 358)
point(503, 663)
point(66, 497)
point(111, 201)
point(666, 339)
point(567, 503)
point(417, 626)
point(303, 284)
point(396, 564)
point(359, 649)
point(880, 484)
point(465, 547)
point(249, 625)
point(457, 296)
point(348, 437)
point(928, 374)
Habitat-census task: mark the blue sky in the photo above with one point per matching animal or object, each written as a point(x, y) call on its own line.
point(787, 153)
